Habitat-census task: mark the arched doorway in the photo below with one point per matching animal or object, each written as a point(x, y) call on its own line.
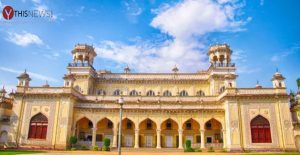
point(147, 133)
point(104, 130)
point(3, 137)
point(213, 134)
point(84, 131)
point(260, 130)
point(191, 131)
point(38, 127)
point(169, 131)
point(297, 142)
point(128, 132)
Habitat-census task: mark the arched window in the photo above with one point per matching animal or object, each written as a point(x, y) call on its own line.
point(222, 89)
point(200, 93)
point(101, 92)
point(150, 93)
point(38, 127)
point(260, 130)
point(117, 92)
point(183, 93)
point(167, 93)
point(133, 93)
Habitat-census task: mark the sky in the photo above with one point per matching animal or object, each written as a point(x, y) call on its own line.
point(152, 36)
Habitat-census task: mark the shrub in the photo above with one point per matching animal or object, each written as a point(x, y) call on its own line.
point(188, 144)
point(198, 150)
point(73, 141)
point(105, 148)
point(211, 149)
point(189, 150)
point(83, 147)
point(106, 142)
point(95, 148)
point(73, 149)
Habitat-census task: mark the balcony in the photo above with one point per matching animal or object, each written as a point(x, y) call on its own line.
point(80, 65)
point(218, 64)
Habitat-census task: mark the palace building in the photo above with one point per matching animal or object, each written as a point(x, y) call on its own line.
point(161, 110)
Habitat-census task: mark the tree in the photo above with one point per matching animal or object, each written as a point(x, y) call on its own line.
point(298, 83)
point(73, 140)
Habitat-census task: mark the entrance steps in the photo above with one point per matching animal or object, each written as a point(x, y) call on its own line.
point(141, 149)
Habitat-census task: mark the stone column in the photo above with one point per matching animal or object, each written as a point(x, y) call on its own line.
point(136, 138)
point(202, 132)
point(180, 131)
point(158, 145)
point(224, 138)
point(94, 137)
point(115, 136)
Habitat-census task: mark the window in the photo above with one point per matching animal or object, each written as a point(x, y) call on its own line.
point(167, 93)
point(99, 137)
point(208, 125)
point(260, 130)
point(200, 93)
point(149, 124)
point(188, 126)
point(129, 125)
point(38, 127)
point(222, 89)
point(117, 92)
point(101, 92)
point(109, 125)
point(90, 124)
point(150, 93)
point(169, 125)
point(198, 139)
point(183, 93)
point(133, 93)
point(208, 140)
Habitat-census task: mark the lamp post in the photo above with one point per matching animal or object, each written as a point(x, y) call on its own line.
point(121, 102)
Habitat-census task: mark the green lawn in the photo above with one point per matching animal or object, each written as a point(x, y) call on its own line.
point(12, 152)
point(280, 153)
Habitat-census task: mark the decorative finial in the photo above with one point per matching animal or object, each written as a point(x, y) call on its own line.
point(175, 69)
point(127, 69)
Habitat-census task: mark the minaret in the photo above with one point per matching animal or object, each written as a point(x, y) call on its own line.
point(24, 80)
point(220, 55)
point(278, 80)
point(83, 55)
point(69, 80)
point(2, 92)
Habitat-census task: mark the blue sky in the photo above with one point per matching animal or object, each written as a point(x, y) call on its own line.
point(152, 36)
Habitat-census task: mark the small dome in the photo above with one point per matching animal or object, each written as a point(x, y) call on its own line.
point(3, 91)
point(24, 76)
point(46, 85)
point(278, 76)
point(258, 85)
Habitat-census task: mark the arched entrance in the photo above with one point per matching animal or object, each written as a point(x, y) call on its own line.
point(104, 130)
point(84, 131)
point(169, 132)
point(3, 137)
point(128, 133)
point(38, 127)
point(297, 142)
point(260, 130)
point(191, 131)
point(213, 134)
point(147, 132)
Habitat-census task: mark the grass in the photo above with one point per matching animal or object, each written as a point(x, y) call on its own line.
point(280, 153)
point(13, 152)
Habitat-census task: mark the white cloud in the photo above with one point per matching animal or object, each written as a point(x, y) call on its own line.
point(90, 37)
point(186, 23)
point(262, 2)
point(282, 55)
point(24, 38)
point(133, 8)
point(31, 74)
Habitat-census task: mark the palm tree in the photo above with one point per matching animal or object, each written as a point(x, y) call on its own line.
point(298, 83)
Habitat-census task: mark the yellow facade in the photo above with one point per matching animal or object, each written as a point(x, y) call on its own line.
point(161, 110)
